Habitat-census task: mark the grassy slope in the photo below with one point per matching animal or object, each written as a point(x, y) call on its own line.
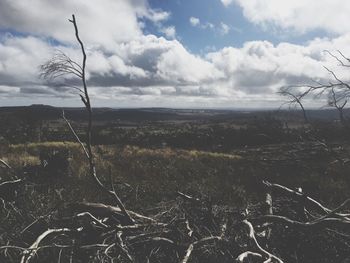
point(156, 174)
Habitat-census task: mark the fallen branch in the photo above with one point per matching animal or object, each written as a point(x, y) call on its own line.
point(92, 218)
point(247, 256)
point(123, 247)
point(102, 210)
point(268, 255)
point(31, 251)
point(315, 204)
point(324, 223)
point(5, 164)
point(197, 244)
point(188, 197)
point(202, 241)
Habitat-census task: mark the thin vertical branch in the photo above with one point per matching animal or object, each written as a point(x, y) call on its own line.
point(86, 101)
point(61, 65)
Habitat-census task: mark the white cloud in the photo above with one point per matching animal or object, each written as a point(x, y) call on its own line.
point(299, 15)
point(224, 29)
point(154, 67)
point(226, 3)
point(208, 25)
point(18, 57)
point(157, 16)
point(119, 67)
point(169, 32)
point(260, 67)
point(178, 65)
point(147, 69)
point(194, 21)
point(117, 20)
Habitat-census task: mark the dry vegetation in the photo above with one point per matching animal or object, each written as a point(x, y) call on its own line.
point(226, 189)
point(76, 202)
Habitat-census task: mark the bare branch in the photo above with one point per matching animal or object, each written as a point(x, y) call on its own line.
point(248, 255)
point(86, 101)
point(337, 58)
point(202, 242)
point(294, 99)
point(267, 254)
point(5, 164)
point(75, 135)
point(322, 223)
point(31, 251)
point(315, 204)
point(61, 65)
point(337, 90)
point(197, 244)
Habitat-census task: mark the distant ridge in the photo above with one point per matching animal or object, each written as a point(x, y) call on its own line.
point(47, 112)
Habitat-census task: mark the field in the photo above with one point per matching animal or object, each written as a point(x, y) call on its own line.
point(149, 156)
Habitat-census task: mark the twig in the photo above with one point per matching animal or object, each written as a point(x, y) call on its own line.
point(5, 164)
point(75, 135)
point(188, 197)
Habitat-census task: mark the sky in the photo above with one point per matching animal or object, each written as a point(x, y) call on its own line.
point(178, 53)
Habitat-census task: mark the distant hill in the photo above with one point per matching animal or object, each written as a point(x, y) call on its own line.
point(46, 112)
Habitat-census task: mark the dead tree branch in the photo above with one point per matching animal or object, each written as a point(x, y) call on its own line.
point(269, 257)
point(5, 164)
point(277, 188)
point(338, 90)
point(31, 251)
point(248, 256)
point(203, 241)
point(61, 65)
point(294, 99)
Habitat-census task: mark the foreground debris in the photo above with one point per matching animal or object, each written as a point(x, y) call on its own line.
point(187, 229)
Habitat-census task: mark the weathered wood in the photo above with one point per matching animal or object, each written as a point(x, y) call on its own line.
point(268, 255)
point(5, 164)
point(102, 210)
point(32, 250)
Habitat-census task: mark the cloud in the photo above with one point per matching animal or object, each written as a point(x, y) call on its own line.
point(226, 3)
point(298, 15)
point(152, 67)
point(260, 67)
point(169, 32)
point(252, 72)
point(49, 19)
point(8, 90)
point(127, 66)
point(194, 21)
point(224, 29)
point(18, 55)
point(208, 25)
point(157, 16)
point(178, 65)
